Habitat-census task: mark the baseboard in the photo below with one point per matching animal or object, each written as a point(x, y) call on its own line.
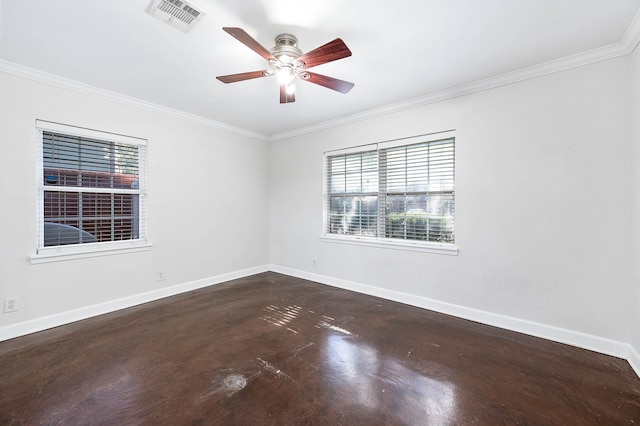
point(44, 323)
point(634, 359)
point(570, 337)
point(556, 334)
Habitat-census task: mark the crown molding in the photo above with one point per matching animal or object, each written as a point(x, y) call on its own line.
point(86, 89)
point(631, 37)
point(551, 67)
point(625, 46)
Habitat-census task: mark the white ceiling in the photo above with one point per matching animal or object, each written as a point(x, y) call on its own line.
point(404, 51)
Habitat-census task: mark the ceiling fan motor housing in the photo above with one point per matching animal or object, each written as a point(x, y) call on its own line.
point(286, 48)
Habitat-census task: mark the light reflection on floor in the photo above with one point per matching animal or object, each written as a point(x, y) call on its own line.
point(359, 375)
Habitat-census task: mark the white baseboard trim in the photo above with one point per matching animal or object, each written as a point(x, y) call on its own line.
point(634, 359)
point(570, 337)
point(556, 334)
point(44, 323)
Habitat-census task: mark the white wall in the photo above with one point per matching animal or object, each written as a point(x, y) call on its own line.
point(634, 295)
point(542, 203)
point(207, 203)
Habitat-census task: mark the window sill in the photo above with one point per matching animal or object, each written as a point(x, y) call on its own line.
point(58, 254)
point(436, 248)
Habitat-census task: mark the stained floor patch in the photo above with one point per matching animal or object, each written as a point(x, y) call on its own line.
point(235, 382)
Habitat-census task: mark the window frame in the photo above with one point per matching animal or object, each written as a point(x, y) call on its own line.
point(383, 241)
point(77, 251)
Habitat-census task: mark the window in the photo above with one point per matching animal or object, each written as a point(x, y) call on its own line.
point(393, 192)
point(92, 190)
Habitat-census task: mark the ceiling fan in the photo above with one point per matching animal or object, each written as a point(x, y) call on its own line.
point(287, 61)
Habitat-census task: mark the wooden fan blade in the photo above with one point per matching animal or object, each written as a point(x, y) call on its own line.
point(232, 78)
point(285, 97)
point(329, 82)
point(249, 41)
point(331, 51)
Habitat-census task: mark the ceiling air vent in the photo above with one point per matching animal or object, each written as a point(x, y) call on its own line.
point(177, 13)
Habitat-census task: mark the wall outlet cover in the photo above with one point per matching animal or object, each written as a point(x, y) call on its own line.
point(11, 304)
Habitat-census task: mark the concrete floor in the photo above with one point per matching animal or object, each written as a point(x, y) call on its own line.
point(276, 350)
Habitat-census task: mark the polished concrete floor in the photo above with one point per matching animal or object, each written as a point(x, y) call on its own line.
point(277, 350)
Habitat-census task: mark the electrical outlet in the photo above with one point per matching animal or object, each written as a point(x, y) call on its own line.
point(10, 304)
point(161, 276)
point(315, 263)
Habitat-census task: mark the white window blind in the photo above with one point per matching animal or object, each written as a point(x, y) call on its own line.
point(92, 188)
point(353, 179)
point(395, 191)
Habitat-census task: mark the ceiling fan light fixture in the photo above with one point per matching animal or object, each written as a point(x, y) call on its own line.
point(287, 61)
point(285, 58)
point(285, 74)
